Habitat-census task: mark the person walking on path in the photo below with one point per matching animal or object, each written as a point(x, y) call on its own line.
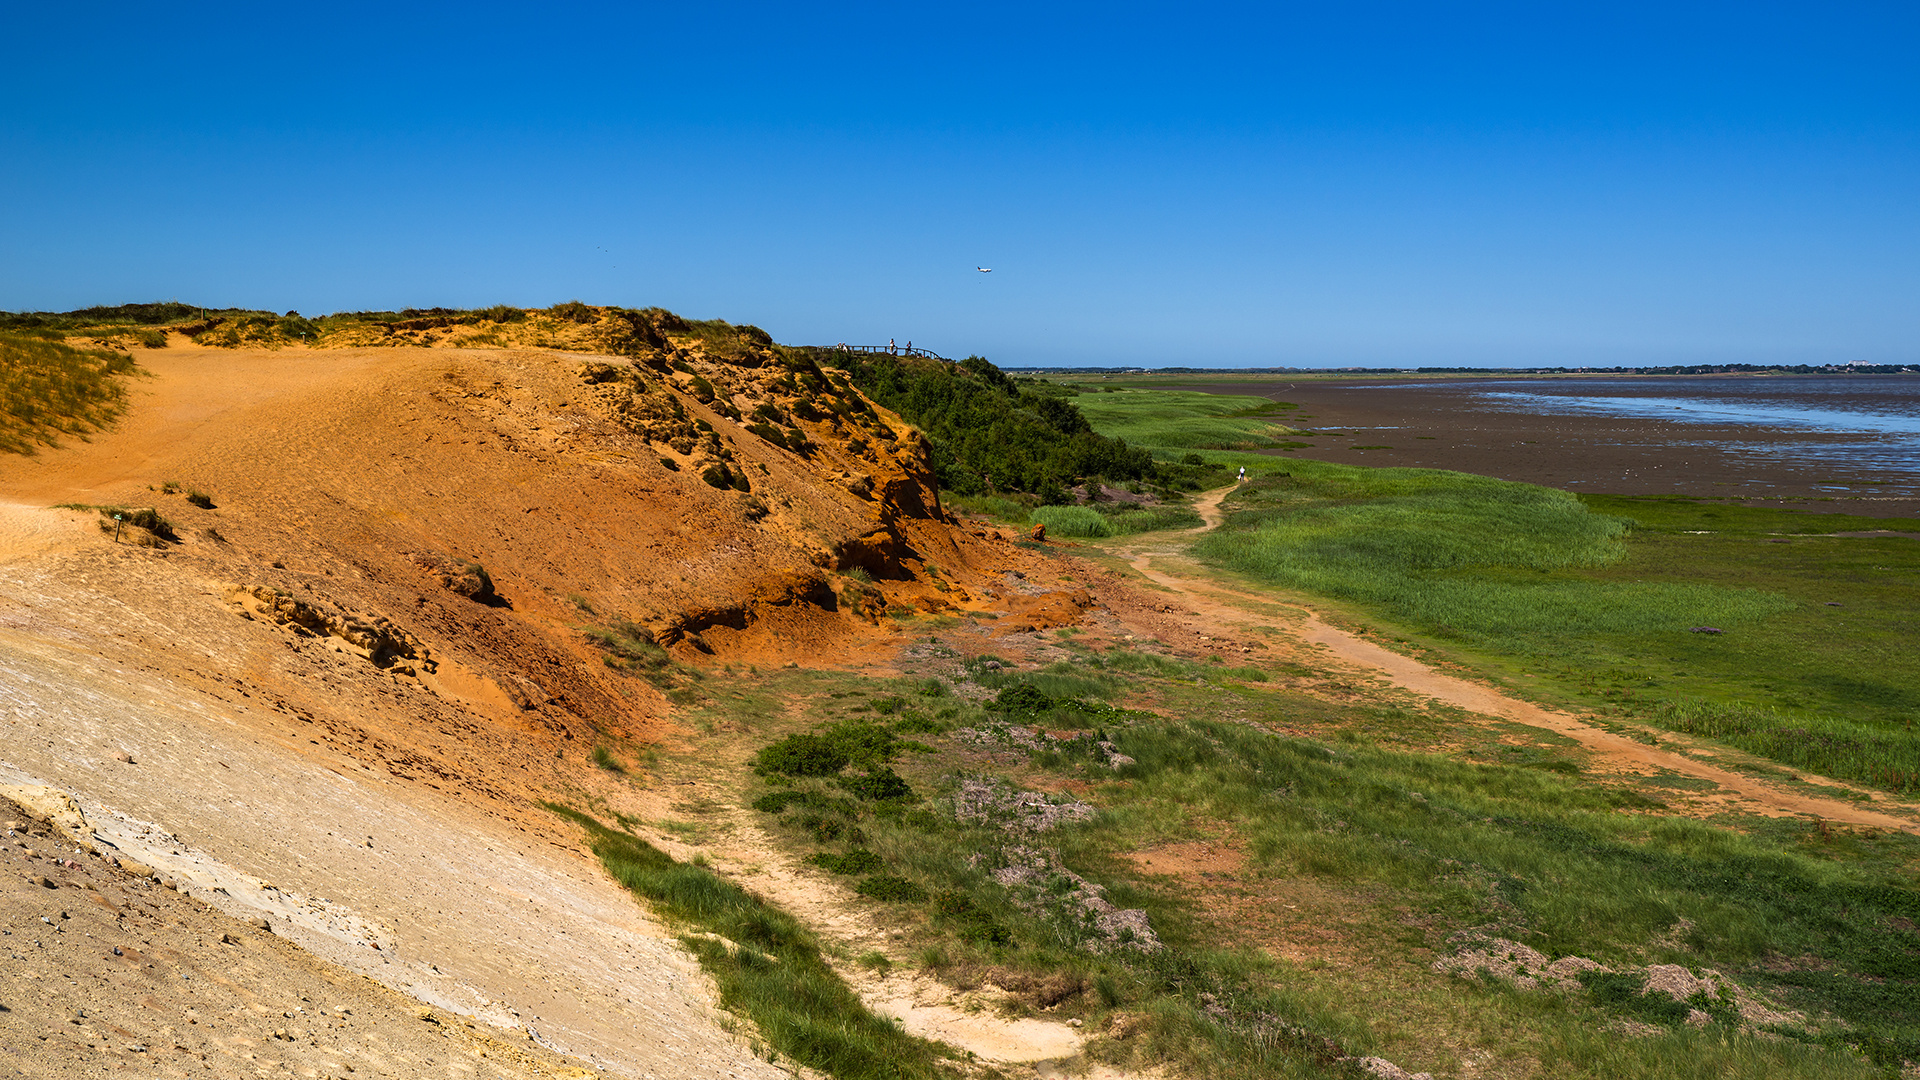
point(1243, 474)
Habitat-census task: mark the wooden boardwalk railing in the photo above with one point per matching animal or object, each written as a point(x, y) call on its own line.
point(886, 350)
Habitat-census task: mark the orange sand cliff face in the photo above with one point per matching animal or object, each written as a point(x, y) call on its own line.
point(339, 696)
point(365, 485)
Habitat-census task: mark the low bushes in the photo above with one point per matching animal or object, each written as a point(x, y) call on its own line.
point(848, 743)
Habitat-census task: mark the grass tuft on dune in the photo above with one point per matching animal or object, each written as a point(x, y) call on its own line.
point(49, 389)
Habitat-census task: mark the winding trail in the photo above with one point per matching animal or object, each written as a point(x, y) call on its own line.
point(1225, 604)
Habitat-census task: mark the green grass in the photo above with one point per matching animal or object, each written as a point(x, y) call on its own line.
point(1550, 860)
point(1081, 521)
point(49, 389)
point(1183, 420)
point(1490, 561)
point(1092, 521)
point(629, 647)
point(1605, 616)
point(769, 970)
point(1514, 840)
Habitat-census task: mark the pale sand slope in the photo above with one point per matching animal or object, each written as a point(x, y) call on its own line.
point(111, 971)
point(469, 912)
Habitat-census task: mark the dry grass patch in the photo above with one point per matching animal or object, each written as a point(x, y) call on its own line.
point(49, 389)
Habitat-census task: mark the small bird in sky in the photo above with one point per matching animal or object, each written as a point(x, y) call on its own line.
point(984, 269)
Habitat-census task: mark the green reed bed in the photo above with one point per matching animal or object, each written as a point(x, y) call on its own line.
point(1183, 420)
point(1092, 521)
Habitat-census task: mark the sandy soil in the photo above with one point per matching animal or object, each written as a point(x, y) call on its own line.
point(113, 971)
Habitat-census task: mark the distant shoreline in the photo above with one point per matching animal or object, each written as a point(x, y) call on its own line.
point(1442, 424)
point(1347, 373)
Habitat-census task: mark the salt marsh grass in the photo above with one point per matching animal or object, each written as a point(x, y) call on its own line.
point(1458, 554)
point(1183, 420)
point(1080, 521)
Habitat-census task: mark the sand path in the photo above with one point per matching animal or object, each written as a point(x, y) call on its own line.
point(1155, 558)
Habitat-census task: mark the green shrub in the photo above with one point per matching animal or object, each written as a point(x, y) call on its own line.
point(969, 920)
point(879, 785)
point(857, 861)
point(777, 802)
point(822, 827)
point(890, 889)
point(802, 754)
point(200, 499)
point(720, 476)
point(849, 742)
point(982, 423)
point(914, 723)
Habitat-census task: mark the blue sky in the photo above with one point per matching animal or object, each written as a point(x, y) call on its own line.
point(1218, 185)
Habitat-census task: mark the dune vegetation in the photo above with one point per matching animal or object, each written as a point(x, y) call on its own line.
point(1025, 839)
point(49, 389)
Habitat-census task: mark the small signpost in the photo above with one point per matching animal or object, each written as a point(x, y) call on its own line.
point(117, 519)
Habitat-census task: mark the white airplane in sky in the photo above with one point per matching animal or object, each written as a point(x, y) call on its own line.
point(984, 269)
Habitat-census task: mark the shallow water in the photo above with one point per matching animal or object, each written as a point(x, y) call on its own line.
point(1869, 423)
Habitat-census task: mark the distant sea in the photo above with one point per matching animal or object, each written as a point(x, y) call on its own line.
point(1869, 423)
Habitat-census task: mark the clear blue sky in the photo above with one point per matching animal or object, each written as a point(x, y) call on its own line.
point(1313, 184)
